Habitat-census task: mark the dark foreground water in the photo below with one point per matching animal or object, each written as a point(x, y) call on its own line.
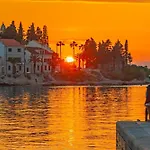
point(66, 118)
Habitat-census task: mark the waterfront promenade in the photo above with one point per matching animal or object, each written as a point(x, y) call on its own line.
point(133, 135)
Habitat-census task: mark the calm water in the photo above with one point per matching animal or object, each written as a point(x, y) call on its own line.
point(66, 118)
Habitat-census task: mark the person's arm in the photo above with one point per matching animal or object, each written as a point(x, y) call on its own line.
point(146, 96)
point(146, 93)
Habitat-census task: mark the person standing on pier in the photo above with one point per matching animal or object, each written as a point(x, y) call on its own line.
point(147, 103)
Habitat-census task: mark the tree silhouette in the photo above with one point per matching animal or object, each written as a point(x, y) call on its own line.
point(31, 33)
point(126, 52)
point(129, 58)
point(2, 29)
point(60, 44)
point(80, 55)
point(34, 58)
point(73, 45)
point(10, 32)
point(104, 55)
point(55, 60)
point(117, 55)
point(90, 53)
point(45, 36)
point(20, 36)
point(108, 57)
point(39, 35)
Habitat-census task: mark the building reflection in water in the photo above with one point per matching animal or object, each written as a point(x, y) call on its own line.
point(23, 119)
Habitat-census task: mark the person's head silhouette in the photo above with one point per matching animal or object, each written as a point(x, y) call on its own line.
point(148, 87)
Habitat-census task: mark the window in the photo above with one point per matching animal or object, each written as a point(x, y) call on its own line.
point(49, 67)
point(45, 67)
point(19, 50)
point(9, 68)
point(27, 69)
point(38, 67)
point(9, 49)
point(20, 68)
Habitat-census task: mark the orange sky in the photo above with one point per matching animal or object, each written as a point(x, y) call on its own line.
point(80, 20)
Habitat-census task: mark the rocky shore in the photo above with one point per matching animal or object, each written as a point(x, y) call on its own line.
point(39, 80)
point(85, 77)
point(90, 83)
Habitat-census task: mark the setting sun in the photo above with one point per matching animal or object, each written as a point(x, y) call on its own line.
point(69, 59)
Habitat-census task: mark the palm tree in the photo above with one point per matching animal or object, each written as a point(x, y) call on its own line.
point(13, 61)
point(73, 45)
point(34, 58)
point(54, 61)
point(81, 47)
point(56, 48)
point(60, 44)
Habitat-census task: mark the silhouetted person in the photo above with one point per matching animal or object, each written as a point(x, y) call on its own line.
point(147, 103)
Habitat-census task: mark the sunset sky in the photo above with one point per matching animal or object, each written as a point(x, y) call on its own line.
point(80, 20)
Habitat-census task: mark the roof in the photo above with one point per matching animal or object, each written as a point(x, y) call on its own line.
point(37, 44)
point(11, 43)
point(36, 50)
point(32, 50)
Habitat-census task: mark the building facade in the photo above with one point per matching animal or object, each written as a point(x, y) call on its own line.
point(18, 59)
point(41, 57)
point(12, 57)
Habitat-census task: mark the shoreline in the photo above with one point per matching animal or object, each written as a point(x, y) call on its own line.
point(70, 83)
point(91, 84)
point(41, 81)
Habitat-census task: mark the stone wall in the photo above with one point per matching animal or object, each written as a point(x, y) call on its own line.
point(120, 143)
point(132, 135)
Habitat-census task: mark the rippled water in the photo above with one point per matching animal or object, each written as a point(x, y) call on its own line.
point(66, 118)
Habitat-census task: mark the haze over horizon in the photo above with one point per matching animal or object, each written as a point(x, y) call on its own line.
point(79, 20)
point(130, 1)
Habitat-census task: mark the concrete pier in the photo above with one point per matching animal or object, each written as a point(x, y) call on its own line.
point(132, 135)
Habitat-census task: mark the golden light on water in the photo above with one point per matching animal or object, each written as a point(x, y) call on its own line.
point(66, 118)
